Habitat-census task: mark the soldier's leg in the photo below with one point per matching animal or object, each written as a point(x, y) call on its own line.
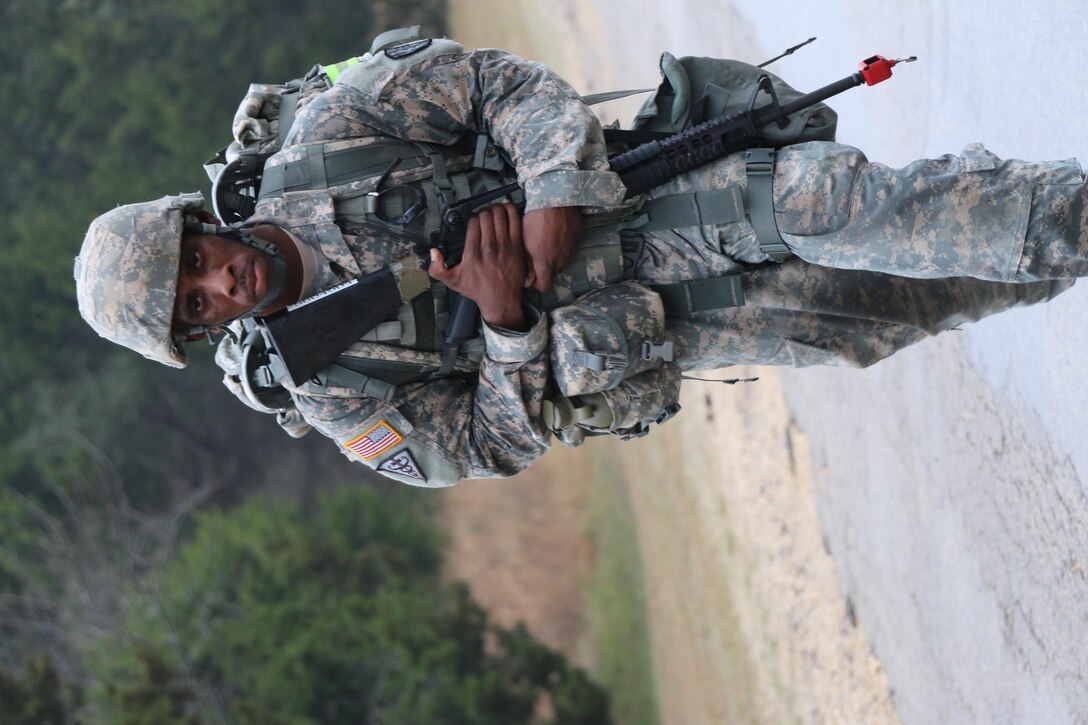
point(798, 314)
point(970, 215)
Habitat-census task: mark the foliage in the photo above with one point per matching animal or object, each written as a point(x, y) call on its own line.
point(37, 697)
point(108, 102)
point(272, 616)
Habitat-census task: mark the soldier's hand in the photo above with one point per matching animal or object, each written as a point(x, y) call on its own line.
point(492, 268)
point(551, 240)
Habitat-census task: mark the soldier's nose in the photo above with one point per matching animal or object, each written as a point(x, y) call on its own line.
point(223, 280)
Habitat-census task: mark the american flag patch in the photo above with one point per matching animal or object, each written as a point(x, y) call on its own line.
point(375, 441)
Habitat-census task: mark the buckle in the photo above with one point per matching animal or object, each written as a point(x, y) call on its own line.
point(598, 363)
point(667, 412)
point(662, 350)
point(777, 251)
point(759, 162)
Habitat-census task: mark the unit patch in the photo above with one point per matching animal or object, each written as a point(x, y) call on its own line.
point(406, 49)
point(375, 441)
point(405, 465)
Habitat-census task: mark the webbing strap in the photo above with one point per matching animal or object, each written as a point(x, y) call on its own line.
point(392, 331)
point(594, 98)
point(393, 37)
point(318, 168)
point(449, 360)
point(287, 115)
point(685, 298)
point(759, 165)
point(333, 375)
point(717, 206)
point(341, 377)
point(609, 259)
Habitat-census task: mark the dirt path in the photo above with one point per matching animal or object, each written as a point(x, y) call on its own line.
point(746, 619)
point(740, 587)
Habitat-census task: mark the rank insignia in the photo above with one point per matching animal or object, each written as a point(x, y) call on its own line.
point(375, 441)
point(403, 464)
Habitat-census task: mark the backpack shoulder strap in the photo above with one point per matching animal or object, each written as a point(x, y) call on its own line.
point(594, 98)
point(392, 37)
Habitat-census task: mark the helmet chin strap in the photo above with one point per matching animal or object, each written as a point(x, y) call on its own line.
point(236, 232)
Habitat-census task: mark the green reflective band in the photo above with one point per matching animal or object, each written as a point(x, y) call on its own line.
point(333, 71)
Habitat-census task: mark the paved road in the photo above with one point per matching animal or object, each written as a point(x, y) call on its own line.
point(951, 479)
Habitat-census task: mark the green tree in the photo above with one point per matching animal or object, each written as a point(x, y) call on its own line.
point(272, 616)
point(37, 697)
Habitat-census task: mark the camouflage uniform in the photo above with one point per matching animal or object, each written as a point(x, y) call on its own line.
point(884, 257)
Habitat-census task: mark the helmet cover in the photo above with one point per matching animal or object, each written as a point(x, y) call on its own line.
point(127, 275)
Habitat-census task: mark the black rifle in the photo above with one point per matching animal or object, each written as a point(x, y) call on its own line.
point(656, 162)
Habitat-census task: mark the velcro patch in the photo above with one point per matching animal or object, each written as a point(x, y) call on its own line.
point(406, 49)
point(403, 464)
point(375, 441)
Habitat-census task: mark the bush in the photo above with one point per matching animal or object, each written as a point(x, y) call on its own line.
point(273, 616)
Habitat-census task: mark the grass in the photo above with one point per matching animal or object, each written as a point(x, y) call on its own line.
point(616, 608)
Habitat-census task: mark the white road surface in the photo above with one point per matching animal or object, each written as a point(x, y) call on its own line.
point(951, 479)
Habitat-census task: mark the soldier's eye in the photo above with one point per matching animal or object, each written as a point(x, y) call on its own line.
point(196, 260)
point(196, 304)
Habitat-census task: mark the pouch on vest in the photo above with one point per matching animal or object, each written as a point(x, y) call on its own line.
point(697, 89)
point(627, 410)
point(605, 336)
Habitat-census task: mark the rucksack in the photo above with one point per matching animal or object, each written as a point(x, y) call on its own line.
point(696, 89)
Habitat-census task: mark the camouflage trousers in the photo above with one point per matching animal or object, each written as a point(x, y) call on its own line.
point(884, 257)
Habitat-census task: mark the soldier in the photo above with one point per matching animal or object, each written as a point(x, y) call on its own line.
point(679, 280)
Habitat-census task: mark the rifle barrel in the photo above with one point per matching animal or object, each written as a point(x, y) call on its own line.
point(820, 94)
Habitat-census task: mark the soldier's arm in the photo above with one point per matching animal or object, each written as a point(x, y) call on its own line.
point(554, 140)
point(439, 93)
point(439, 432)
point(434, 434)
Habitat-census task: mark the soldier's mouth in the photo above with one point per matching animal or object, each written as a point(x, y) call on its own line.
point(259, 284)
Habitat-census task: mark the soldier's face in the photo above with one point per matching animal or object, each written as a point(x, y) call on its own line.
point(219, 279)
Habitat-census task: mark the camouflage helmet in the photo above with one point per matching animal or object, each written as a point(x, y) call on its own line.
point(127, 275)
